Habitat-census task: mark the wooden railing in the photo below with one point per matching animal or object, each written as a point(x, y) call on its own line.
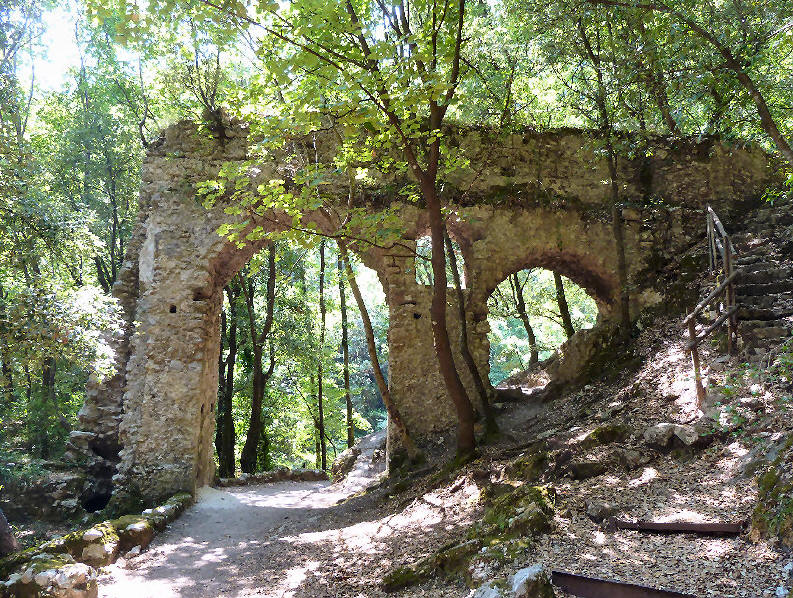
point(722, 263)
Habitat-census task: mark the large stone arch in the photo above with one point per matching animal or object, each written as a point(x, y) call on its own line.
point(535, 200)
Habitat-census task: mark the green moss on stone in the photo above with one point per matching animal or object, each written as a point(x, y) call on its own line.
point(528, 468)
point(526, 511)
point(605, 434)
point(401, 577)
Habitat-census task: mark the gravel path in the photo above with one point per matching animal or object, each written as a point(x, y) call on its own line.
point(215, 548)
point(240, 541)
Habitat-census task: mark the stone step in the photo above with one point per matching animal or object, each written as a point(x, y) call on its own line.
point(771, 333)
point(775, 323)
point(760, 266)
point(767, 275)
point(748, 313)
point(780, 303)
point(772, 288)
point(749, 259)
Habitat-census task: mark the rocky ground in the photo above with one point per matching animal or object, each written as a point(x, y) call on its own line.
point(601, 453)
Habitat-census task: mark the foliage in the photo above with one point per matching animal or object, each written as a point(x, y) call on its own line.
point(509, 347)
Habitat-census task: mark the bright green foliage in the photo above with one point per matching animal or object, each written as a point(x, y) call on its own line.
point(509, 346)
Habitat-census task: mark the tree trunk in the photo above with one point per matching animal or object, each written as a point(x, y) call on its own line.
point(491, 426)
point(564, 309)
point(49, 406)
point(466, 441)
point(6, 374)
point(322, 316)
point(393, 413)
point(616, 211)
point(225, 439)
point(250, 450)
point(345, 350)
point(520, 304)
point(8, 543)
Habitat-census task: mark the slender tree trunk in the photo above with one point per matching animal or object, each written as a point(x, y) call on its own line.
point(322, 316)
point(250, 450)
point(564, 309)
point(6, 373)
point(49, 406)
point(616, 209)
point(520, 304)
point(345, 350)
point(466, 441)
point(8, 543)
point(490, 421)
point(393, 413)
point(225, 439)
point(221, 391)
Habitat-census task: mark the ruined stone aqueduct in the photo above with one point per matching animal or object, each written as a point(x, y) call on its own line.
point(532, 200)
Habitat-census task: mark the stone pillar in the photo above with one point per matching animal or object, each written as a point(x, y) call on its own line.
point(169, 403)
point(417, 387)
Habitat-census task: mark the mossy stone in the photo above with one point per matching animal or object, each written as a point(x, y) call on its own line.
point(605, 434)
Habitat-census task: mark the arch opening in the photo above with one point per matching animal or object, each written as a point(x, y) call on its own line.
point(291, 357)
point(532, 313)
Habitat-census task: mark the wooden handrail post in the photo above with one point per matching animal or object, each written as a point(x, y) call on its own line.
point(692, 331)
point(730, 298)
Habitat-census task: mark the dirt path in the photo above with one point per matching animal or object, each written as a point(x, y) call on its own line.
point(294, 540)
point(215, 548)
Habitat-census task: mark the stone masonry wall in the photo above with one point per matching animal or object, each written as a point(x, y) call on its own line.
point(536, 200)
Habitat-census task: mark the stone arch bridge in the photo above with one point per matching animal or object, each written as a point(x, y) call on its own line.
point(531, 200)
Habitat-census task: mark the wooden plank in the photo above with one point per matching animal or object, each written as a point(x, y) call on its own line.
point(681, 527)
point(593, 587)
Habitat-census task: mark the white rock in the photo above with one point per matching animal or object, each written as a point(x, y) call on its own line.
point(92, 535)
point(659, 435)
point(27, 575)
point(44, 578)
point(687, 434)
point(527, 582)
point(487, 591)
point(133, 552)
point(97, 553)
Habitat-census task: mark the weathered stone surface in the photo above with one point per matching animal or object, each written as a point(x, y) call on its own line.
point(582, 470)
point(487, 591)
point(598, 510)
point(661, 436)
point(8, 543)
point(344, 463)
point(54, 576)
point(531, 582)
point(538, 200)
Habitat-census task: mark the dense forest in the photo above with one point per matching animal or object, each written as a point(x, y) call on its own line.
point(86, 87)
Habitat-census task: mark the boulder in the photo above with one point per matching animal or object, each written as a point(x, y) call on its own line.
point(531, 582)
point(598, 511)
point(660, 435)
point(687, 435)
point(582, 470)
point(8, 542)
point(344, 463)
point(487, 591)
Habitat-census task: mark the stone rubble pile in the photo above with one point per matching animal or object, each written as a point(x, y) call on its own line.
point(66, 567)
